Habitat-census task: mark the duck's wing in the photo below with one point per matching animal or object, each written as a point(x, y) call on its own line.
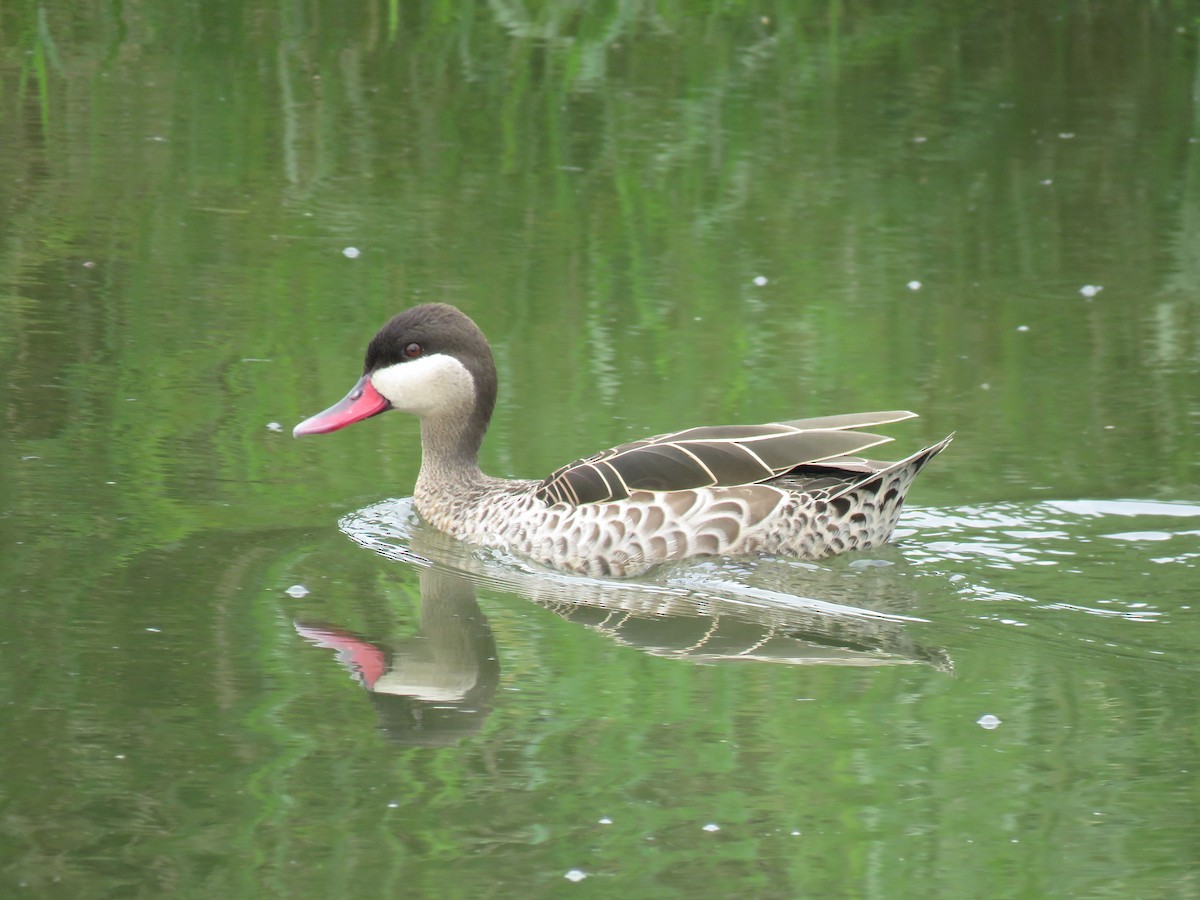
point(854, 420)
point(713, 456)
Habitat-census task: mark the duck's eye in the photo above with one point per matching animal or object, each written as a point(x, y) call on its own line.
point(413, 350)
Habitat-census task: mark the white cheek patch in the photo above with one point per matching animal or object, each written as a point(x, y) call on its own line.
point(430, 384)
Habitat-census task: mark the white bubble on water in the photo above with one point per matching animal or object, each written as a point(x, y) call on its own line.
point(988, 721)
point(296, 591)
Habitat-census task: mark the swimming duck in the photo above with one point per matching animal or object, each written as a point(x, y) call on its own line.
point(796, 488)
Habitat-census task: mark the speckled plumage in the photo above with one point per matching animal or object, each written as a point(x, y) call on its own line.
point(627, 537)
point(790, 489)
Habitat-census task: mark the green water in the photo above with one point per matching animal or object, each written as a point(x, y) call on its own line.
point(662, 215)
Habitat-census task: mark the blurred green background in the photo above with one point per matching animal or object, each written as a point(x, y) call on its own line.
point(662, 214)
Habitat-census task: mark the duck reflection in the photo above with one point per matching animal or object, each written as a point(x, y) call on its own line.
point(439, 685)
point(732, 635)
point(435, 687)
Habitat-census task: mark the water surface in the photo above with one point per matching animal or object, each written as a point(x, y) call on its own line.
point(234, 665)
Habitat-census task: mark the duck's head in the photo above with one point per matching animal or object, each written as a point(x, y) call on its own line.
point(432, 361)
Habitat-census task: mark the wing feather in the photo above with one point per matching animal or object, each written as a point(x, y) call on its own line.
point(854, 420)
point(713, 456)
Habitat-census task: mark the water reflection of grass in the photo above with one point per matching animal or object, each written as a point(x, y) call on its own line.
point(604, 180)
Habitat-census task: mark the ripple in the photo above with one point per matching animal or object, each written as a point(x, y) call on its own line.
point(1056, 572)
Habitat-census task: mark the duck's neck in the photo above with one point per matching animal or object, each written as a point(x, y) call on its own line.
point(449, 459)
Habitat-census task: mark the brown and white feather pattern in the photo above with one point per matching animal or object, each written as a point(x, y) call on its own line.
point(798, 488)
point(713, 456)
point(822, 502)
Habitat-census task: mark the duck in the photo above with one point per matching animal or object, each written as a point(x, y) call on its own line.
point(798, 488)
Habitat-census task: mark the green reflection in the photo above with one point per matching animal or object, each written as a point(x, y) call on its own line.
point(599, 185)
